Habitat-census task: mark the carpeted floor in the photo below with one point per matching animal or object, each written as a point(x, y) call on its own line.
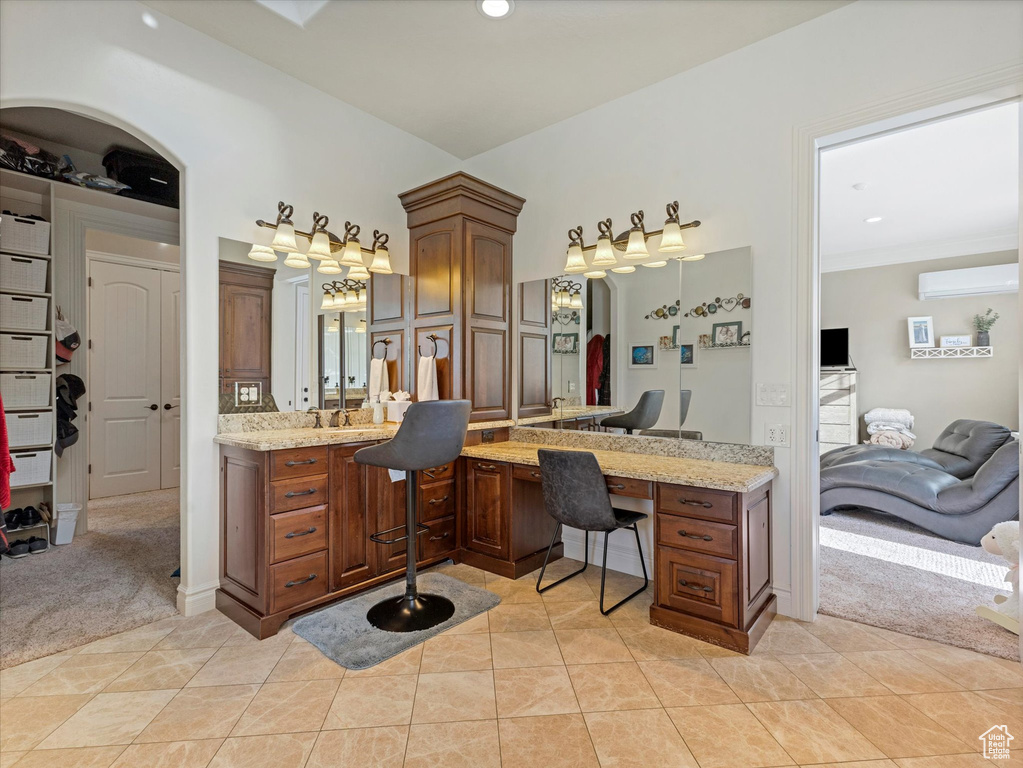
point(881, 571)
point(114, 578)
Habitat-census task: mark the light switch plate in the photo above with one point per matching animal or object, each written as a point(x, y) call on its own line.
point(777, 434)
point(773, 394)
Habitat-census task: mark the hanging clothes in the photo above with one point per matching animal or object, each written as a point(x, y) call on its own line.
point(594, 367)
point(604, 396)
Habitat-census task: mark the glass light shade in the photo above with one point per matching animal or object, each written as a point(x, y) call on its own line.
point(624, 270)
point(328, 300)
point(358, 273)
point(576, 302)
point(332, 328)
point(595, 274)
point(671, 238)
point(653, 263)
point(319, 248)
point(352, 256)
point(297, 260)
point(565, 297)
point(329, 267)
point(351, 301)
point(284, 239)
point(360, 328)
point(605, 253)
point(636, 249)
point(575, 261)
point(694, 257)
point(262, 253)
point(381, 261)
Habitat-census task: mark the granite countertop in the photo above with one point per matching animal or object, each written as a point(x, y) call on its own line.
point(303, 437)
point(696, 472)
point(571, 412)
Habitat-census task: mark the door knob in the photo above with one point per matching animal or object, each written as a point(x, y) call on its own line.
point(152, 407)
point(168, 406)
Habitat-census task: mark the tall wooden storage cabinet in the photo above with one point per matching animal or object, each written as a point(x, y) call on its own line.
point(460, 260)
point(246, 314)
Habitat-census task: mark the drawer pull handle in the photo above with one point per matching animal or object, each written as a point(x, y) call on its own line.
point(616, 487)
point(293, 534)
point(298, 463)
point(693, 536)
point(293, 494)
point(308, 578)
point(534, 474)
point(442, 536)
point(438, 501)
point(697, 587)
point(691, 503)
point(486, 466)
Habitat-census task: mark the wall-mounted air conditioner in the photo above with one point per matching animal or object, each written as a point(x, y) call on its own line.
point(974, 281)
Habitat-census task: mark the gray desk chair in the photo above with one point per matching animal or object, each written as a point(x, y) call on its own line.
point(643, 416)
point(575, 494)
point(431, 434)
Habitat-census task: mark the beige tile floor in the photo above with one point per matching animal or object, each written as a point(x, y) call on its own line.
point(539, 682)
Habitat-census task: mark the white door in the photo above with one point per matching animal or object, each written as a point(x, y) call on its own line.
point(125, 380)
point(170, 379)
point(301, 348)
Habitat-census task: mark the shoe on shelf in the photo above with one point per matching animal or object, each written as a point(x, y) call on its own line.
point(19, 548)
point(29, 517)
point(12, 519)
point(37, 546)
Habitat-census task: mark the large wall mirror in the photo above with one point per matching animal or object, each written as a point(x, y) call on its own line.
point(685, 327)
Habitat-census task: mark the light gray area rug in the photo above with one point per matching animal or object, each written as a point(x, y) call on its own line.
point(112, 579)
point(342, 632)
point(881, 571)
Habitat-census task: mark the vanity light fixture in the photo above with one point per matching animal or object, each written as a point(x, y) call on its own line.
point(284, 238)
point(319, 247)
point(381, 256)
point(653, 263)
point(693, 257)
point(361, 327)
point(633, 243)
point(565, 294)
point(297, 261)
point(328, 267)
point(262, 253)
point(352, 256)
point(358, 273)
point(595, 274)
point(344, 296)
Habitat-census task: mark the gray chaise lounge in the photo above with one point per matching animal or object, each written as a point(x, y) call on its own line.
point(960, 449)
point(961, 510)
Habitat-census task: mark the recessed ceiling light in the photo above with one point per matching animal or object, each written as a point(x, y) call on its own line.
point(150, 20)
point(873, 220)
point(495, 9)
point(860, 186)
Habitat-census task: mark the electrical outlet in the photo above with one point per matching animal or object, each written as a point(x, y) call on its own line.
point(571, 386)
point(772, 394)
point(777, 434)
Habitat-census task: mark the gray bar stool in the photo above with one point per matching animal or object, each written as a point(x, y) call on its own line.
point(431, 434)
point(575, 494)
point(643, 416)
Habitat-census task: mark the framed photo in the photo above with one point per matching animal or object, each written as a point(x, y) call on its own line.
point(726, 333)
point(957, 341)
point(921, 332)
point(642, 356)
point(669, 342)
point(566, 343)
point(687, 353)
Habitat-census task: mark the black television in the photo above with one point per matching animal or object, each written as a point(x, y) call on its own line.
point(834, 348)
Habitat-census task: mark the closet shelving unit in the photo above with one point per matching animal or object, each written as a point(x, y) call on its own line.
point(27, 195)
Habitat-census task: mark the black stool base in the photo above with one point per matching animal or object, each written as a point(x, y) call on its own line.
point(410, 614)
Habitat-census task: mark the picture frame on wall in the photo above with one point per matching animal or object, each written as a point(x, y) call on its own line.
point(921, 332)
point(729, 333)
point(669, 342)
point(687, 353)
point(642, 355)
point(961, 340)
point(565, 343)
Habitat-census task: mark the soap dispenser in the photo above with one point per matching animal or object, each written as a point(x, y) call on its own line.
point(378, 412)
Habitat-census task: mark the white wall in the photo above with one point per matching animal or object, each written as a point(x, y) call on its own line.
point(720, 139)
point(246, 136)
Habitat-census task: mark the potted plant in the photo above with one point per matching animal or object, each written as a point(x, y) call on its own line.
point(983, 325)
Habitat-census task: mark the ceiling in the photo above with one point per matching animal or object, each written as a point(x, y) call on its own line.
point(946, 188)
point(465, 83)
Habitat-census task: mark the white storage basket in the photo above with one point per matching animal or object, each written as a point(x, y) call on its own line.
point(26, 429)
point(31, 467)
point(24, 235)
point(23, 273)
point(25, 390)
point(27, 313)
point(23, 353)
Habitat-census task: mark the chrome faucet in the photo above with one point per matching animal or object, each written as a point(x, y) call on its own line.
point(340, 418)
point(318, 424)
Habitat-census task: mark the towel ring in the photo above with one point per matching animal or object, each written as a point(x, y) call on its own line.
point(386, 342)
point(434, 338)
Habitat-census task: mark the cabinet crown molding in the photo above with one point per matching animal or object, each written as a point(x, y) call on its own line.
point(463, 194)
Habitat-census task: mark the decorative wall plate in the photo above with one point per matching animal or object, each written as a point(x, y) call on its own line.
point(664, 312)
point(724, 305)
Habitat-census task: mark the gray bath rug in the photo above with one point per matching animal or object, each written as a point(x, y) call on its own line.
point(344, 635)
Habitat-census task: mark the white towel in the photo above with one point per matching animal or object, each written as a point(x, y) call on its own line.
point(889, 416)
point(378, 378)
point(426, 386)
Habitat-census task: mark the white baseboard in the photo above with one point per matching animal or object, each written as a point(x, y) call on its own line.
point(621, 557)
point(198, 599)
point(784, 606)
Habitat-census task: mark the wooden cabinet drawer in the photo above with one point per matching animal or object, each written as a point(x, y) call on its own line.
point(697, 502)
point(698, 535)
point(293, 534)
point(298, 462)
point(701, 585)
point(298, 581)
point(627, 486)
point(297, 493)
point(526, 472)
point(436, 500)
point(442, 472)
point(439, 540)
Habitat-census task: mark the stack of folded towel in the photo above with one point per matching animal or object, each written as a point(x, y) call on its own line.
point(890, 427)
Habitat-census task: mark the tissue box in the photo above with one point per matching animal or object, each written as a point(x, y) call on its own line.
point(396, 409)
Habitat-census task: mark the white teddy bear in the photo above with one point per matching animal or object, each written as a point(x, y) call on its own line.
point(1003, 540)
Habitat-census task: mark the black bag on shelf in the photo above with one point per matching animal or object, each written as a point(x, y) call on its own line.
point(151, 179)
